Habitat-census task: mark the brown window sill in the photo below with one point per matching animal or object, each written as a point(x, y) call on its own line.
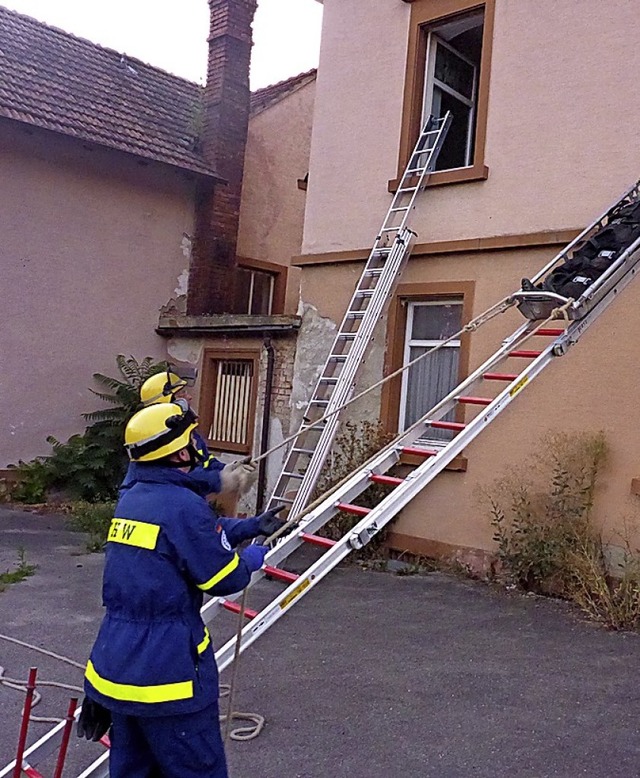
point(461, 175)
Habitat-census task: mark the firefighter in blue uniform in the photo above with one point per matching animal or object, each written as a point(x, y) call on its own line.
point(236, 477)
point(152, 674)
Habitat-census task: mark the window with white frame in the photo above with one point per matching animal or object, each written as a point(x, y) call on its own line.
point(452, 67)
point(427, 382)
point(255, 289)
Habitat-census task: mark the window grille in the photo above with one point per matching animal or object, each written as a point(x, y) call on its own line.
point(232, 404)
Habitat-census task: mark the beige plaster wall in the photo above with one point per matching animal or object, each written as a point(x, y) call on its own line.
point(272, 208)
point(562, 135)
point(591, 388)
point(92, 245)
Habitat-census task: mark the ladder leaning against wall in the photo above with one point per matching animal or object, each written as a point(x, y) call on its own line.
point(373, 291)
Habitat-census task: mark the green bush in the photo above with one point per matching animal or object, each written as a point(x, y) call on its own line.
point(90, 466)
point(94, 518)
point(547, 539)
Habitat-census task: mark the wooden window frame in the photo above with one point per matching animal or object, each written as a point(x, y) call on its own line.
point(279, 273)
point(396, 330)
point(429, 12)
point(207, 393)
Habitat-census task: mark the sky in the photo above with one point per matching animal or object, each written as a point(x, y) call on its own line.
point(172, 34)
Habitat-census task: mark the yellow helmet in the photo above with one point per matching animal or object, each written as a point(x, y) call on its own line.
point(157, 431)
point(160, 388)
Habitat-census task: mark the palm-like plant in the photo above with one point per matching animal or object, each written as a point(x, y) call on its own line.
point(123, 393)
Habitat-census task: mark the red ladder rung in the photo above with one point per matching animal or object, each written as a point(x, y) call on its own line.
point(525, 354)
point(316, 540)
point(390, 480)
point(357, 510)
point(550, 332)
point(474, 400)
point(280, 575)
point(500, 377)
point(448, 425)
point(234, 607)
point(420, 452)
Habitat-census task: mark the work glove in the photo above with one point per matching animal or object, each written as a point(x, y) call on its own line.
point(253, 556)
point(94, 720)
point(238, 477)
point(268, 522)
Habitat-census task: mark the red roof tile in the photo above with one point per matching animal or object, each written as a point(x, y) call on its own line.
point(53, 80)
point(264, 98)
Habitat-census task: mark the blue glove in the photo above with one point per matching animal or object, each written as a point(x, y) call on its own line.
point(253, 557)
point(268, 522)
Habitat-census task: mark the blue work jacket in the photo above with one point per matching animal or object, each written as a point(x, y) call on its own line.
point(165, 548)
point(207, 473)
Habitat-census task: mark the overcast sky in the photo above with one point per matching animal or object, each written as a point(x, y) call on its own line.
point(172, 33)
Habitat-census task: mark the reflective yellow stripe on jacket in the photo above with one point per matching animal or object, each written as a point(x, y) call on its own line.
point(164, 692)
point(226, 570)
point(202, 646)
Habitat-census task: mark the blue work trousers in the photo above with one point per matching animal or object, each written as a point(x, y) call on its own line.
point(187, 746)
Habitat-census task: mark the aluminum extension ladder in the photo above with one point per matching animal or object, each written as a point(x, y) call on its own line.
point(473, 393)
point(335, 385)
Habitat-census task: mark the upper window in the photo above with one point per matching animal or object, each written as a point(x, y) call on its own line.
point(256, 290)
point(452, 65)
point(448, 69)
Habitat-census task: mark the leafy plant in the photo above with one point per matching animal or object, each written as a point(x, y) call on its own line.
point(548, 541)
point(91, 466)
point(22, 571)
point(356, 443)
point(94, 518)
point(539, 522)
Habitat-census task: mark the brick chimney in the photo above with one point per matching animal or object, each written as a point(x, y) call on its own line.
point(226, 118)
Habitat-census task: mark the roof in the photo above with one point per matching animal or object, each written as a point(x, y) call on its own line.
point(54, 80)
point(269, 95)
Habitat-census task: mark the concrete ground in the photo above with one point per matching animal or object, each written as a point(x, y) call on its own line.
point(370, 674)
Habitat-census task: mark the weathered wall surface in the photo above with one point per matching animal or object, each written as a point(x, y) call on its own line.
point(92, 244)
point(272, 209)
point(558, 147)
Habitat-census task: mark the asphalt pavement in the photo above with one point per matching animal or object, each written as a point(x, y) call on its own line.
point(371, 674)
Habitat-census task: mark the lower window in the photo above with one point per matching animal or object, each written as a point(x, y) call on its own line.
point(228, 401)
point(426, 383)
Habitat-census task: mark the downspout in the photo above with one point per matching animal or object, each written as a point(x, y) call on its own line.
point(266, 421)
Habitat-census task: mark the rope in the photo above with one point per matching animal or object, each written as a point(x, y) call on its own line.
point(240, 733)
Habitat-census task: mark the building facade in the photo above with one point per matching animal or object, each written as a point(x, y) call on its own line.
point(544, 138)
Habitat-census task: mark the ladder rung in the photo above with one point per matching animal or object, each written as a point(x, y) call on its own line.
point(376, 271)
point(309, 451)
point(234, 607)
point(474, 400)
point(525, 354)
point(400, 208)
point(279, 498)
point(348, 507)
point(280, 575)
point(500, 377)
point(390, 480)
point(318, 402)
point(286, 474)
point(338, 357)
point(355, 314)
point(447, 425)
point(420, 452)
point(327, 380)
point(406, 189)
point(549, 331)
point(316, 540)
point(364, 293)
